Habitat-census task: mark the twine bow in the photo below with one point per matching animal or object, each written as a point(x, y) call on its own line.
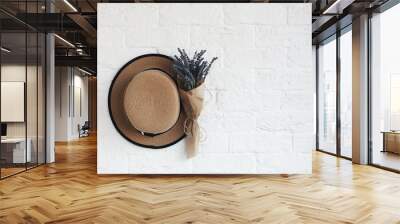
point(188, 126)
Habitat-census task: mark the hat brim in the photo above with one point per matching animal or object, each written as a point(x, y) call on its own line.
point(116, 103)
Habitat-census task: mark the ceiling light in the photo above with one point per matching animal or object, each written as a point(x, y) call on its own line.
point(70, 5)
point(79, 51)
point(65, 41)
point(84, 71)
point(5, 50)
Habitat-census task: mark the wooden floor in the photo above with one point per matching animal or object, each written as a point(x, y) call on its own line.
point(70, 191)
point(5, 172)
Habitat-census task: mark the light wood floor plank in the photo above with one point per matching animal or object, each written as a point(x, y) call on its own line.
point(70, 191)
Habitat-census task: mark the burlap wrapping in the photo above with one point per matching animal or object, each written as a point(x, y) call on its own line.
point(192, 102)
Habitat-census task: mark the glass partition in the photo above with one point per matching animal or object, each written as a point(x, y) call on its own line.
point(31, 100)
point(346, 94)
point(327, 96)
point(385, 89)
point(41, 97)
point(14, 153)
point(334, 58)
point(22, 77)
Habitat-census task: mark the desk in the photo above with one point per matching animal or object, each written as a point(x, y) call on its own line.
point(17, 150)
point(391, 141)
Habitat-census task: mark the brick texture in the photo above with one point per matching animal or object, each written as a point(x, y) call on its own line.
point(258, 115)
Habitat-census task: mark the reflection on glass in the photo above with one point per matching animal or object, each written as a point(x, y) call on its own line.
point(346, 93)
point(31, 100)
point(327, 97)
point(41, 98)
point(14, 153)
point(386, 89)
point(22, 91)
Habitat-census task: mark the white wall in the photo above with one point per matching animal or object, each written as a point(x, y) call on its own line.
point(258, 115)
point(67, 117)
point(12, 73)
point(81, 84)
point(17, 73)
point(61, 103)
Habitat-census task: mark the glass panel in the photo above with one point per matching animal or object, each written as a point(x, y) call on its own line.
point(41, 98)
point(23, 90)
point(346, 93)
point(13, 89)
point(31, 100)
point(32, 89)
point(385, 83)
point(327, 96)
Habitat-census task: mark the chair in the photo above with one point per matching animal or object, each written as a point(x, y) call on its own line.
point(84, 130)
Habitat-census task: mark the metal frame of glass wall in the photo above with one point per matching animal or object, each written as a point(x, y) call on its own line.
point(334, 37)
point(34, 45)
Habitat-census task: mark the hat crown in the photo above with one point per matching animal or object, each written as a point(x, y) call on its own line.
point(151, 102)
point(127, 122)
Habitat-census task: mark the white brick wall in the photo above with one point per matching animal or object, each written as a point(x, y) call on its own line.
point(258, 115)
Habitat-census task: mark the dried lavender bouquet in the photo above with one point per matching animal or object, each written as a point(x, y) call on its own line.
point(190, 76)
point(191, 72)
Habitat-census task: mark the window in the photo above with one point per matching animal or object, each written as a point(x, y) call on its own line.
point(327, 97)
point(334, 106)
point(385, 89)
point(346, 93)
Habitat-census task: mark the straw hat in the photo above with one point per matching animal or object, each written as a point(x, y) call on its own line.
point(144, 102)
